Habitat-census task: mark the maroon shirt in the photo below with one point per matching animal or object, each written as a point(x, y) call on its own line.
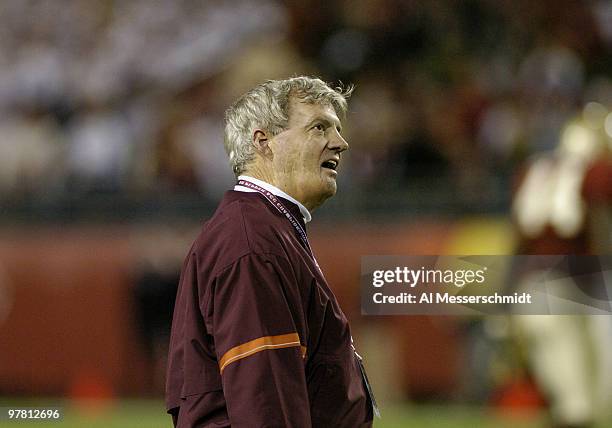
point(258, 338)
point(595, 190)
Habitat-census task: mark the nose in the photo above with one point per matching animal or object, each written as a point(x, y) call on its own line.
point(338, 143)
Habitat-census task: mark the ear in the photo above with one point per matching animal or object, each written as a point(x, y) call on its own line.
point(261, 140)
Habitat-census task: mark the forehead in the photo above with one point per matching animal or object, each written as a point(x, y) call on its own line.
point(301, 113)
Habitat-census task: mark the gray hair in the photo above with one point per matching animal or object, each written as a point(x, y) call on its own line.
point(266, 106)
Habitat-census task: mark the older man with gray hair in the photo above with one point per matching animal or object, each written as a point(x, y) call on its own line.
point(258, 338)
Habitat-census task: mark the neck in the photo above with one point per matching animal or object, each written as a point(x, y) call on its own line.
point(275, 190)
point(264, 174)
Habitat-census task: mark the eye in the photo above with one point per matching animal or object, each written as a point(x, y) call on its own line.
point(319, 127)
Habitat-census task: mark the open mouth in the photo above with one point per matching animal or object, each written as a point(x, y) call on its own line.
point(330, 164)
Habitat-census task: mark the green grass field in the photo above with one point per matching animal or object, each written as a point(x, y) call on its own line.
point(150, 414)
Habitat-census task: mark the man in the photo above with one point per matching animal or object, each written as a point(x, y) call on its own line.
point(562, 206)
point(258, 338)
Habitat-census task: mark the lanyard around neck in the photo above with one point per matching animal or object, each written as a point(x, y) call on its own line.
point(270, 197)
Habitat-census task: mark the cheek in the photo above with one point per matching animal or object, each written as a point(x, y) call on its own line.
point(291, 158)
point(284, 156)
point(300, 155)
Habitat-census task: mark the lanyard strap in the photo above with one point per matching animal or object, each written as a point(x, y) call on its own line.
point(282, 209)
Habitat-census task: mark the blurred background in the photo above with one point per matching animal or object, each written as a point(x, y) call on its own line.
point(111, 157)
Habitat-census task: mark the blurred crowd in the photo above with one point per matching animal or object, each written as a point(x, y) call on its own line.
point(108, 100)
point(127, 98)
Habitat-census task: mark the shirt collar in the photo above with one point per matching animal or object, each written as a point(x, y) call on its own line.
point(275, 191)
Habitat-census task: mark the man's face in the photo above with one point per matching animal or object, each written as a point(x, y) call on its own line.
point(307, 154)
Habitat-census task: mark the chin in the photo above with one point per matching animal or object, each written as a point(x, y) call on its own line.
point(328, 190)
point(322, 194)
point(333, 189)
